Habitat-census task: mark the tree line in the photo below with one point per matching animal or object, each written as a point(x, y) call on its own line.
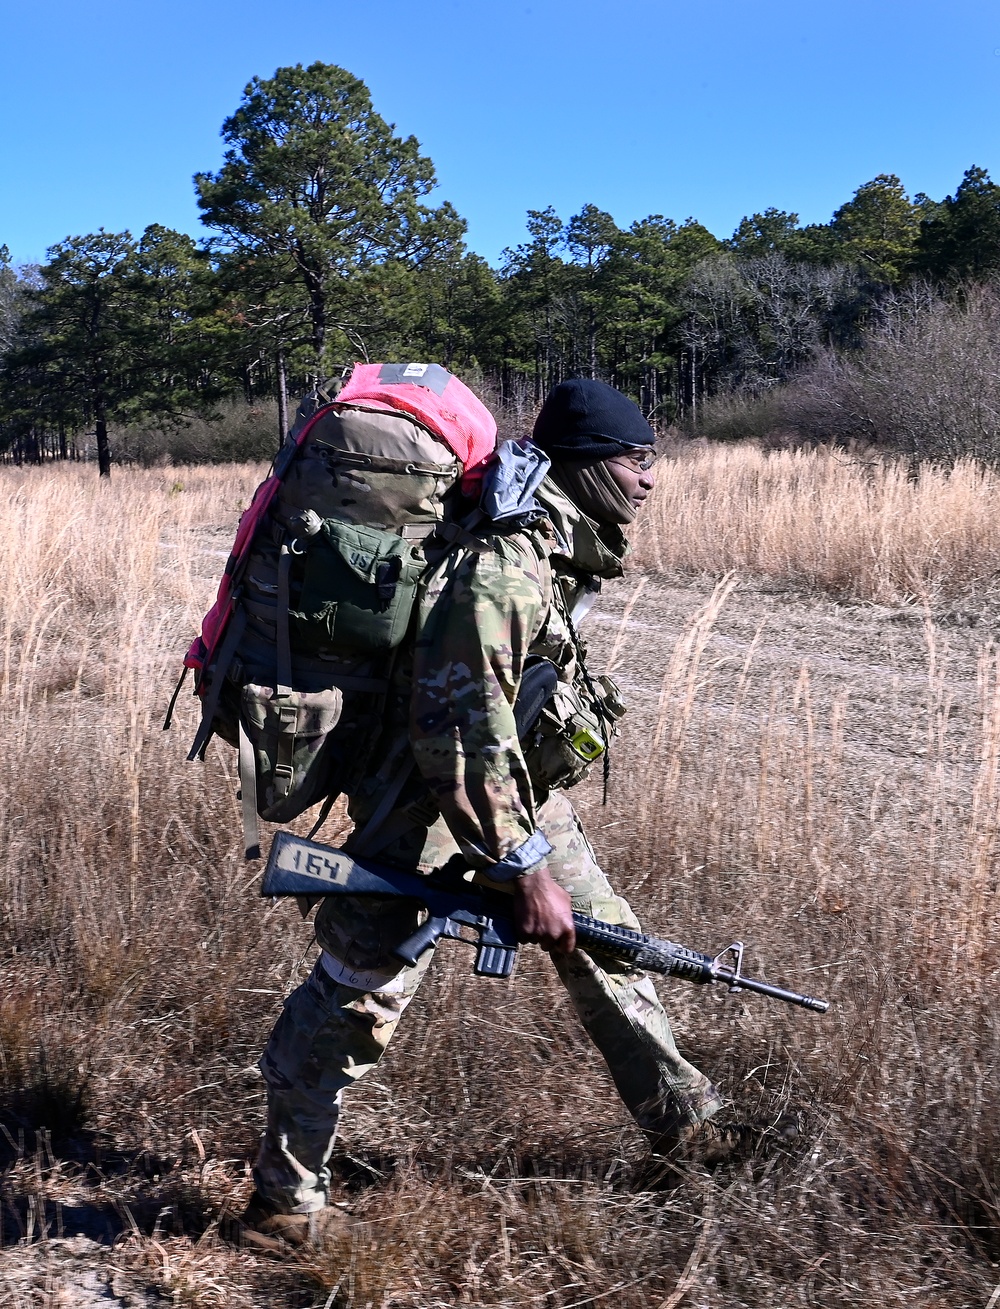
point(324, 246)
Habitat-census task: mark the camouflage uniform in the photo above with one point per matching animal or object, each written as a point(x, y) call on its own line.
point(483, 611)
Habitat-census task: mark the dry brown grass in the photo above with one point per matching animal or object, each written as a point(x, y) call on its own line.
point(863, 528)
point(818, 778)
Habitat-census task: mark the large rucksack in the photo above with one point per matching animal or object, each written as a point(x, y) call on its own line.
point(294, 659)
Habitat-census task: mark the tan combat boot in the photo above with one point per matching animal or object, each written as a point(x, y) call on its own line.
point(718, 1141)
point(710, 1144)
point(267, 1230)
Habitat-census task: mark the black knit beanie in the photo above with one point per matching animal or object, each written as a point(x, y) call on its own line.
point(586, 419)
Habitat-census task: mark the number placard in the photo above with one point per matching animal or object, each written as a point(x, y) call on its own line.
point(294, 857)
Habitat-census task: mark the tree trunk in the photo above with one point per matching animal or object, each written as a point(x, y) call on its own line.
point(317, 318)
point(101, 432)
point(282, 398)
point(694, 384)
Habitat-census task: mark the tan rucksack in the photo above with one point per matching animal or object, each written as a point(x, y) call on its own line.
point(294, 660)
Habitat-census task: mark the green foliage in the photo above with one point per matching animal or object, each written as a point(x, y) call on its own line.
point(585, 297)
point(9, 297)
point(115, 330)
point(83, 338)
point(456, 312)
point(188, 343)
point(960, 238)
point(764, 234)
point(878, 229)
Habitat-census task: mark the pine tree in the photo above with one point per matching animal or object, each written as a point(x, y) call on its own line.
point(321, 198)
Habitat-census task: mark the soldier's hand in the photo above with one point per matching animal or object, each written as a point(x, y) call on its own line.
point(543, 913)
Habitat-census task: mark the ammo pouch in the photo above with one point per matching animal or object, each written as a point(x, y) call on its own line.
point(297, 748)
point(571, 732)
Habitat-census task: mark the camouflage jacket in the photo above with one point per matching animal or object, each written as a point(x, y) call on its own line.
point(482, 612)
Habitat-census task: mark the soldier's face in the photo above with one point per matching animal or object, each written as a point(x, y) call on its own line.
point(633, 474)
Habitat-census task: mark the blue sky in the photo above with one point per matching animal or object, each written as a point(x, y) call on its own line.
point(642, 106)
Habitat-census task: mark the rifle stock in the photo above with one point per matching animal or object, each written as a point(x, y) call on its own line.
point(297, 866)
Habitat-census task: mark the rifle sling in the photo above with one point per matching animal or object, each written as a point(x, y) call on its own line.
point(377, 833)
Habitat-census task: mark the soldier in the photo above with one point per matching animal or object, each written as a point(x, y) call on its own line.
point(486, 612)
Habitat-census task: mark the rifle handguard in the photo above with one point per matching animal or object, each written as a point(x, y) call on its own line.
point(645, 952)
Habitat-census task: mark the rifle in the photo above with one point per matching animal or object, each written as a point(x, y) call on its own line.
point(296, 866)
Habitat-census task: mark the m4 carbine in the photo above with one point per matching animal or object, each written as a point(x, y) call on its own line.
point(300, 867)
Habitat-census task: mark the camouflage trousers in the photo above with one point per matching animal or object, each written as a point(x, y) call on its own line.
point(336, 1026)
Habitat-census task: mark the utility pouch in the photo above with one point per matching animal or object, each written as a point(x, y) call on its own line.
point(285, 748)
point(359, 586)
point(571, 732)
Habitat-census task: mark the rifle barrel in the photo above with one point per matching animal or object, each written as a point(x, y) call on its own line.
point(742, 983)
point(672, 960)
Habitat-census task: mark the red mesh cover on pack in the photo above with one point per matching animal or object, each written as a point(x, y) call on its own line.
point(457, 416)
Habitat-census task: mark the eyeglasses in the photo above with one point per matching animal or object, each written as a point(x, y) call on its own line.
point(640, 459)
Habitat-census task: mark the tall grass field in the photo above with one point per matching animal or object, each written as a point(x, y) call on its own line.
point(811, 763)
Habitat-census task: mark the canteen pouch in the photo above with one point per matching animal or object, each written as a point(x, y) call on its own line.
point(358, 589)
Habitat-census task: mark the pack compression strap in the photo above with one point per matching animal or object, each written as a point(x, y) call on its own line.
point(248, 796)
point(283, 642)
point(237, 623)
point(173, 699)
